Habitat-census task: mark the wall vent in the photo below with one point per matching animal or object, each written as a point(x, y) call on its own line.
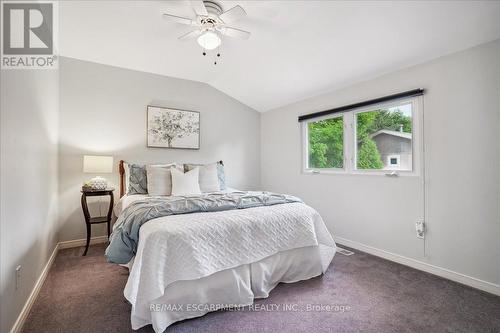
point(344, 251)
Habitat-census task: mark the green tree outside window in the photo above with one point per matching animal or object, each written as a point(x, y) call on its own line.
point(326, 143)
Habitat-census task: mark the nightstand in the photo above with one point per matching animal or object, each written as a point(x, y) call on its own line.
point(98, 219)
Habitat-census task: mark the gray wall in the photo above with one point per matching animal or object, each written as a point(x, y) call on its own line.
point(28, 182)
point(103, 111)
point(462, 122)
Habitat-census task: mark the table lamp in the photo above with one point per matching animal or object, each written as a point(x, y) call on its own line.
point(97, 164)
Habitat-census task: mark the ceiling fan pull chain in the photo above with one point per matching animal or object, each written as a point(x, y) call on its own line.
point(218, 54)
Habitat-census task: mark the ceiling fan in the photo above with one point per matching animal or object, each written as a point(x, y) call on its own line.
point(211, 23)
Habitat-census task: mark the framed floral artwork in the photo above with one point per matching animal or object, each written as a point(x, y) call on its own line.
point(173, 128)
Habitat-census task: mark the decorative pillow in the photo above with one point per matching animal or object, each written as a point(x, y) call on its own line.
point(127, 176)
point(159, 179)
point(185, 183)
point(138, 182)
point(221, 175)
point(208, 178)
point(212, 176)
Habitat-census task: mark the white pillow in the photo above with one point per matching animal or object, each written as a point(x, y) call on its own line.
point(185, 183)
point(159, 179)
point(209, 178)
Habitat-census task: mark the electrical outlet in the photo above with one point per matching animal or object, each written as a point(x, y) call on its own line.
point(420, 229)
point(18, 276)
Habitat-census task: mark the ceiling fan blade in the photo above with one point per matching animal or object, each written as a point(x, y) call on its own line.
point(178, 19)
point(233, 14)
point(190, 35)
point(235, 32)
point(199, 7)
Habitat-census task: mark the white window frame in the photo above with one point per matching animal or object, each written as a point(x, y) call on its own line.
point(305, 145)
point(350, 137)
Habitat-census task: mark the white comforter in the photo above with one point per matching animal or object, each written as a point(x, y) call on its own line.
point(193, 246)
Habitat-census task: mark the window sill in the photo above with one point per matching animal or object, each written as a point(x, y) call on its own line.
point(385, 173)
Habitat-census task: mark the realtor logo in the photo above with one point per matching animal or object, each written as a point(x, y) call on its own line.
point(28, 35)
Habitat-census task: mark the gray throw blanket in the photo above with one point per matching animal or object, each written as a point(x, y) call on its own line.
point(125, 237)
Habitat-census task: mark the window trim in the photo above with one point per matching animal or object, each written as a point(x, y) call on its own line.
point(350, 137)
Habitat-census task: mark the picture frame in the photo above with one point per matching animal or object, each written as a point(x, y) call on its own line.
point(172, 128)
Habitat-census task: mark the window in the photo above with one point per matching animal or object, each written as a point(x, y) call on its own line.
point(326, 143)
point(368, 140)
point(384, 138)
point(393, 160)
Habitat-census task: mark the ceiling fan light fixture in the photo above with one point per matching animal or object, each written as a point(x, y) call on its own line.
point(209, 40)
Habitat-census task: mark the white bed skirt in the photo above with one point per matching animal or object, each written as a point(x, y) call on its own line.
point(231, 287)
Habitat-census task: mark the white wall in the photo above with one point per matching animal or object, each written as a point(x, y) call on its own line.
point(103, 111)
point(28, 182)
point(462, 122)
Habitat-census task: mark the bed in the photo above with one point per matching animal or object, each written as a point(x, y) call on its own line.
point(185, 265)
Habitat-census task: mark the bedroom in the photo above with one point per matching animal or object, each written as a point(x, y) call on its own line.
point(269, 136)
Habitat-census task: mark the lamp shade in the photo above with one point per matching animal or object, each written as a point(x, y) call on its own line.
point(97, 164)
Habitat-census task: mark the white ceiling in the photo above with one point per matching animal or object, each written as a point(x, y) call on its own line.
point(298, 49)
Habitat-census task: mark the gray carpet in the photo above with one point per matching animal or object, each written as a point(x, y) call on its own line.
point(85, 294)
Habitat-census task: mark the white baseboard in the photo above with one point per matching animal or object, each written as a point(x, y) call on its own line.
point(18, 325)
point(82, 242)
point(420, 265)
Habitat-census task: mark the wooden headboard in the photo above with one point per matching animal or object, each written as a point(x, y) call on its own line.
point(121, 170)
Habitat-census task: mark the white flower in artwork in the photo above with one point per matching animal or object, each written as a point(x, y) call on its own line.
point(166, 126)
